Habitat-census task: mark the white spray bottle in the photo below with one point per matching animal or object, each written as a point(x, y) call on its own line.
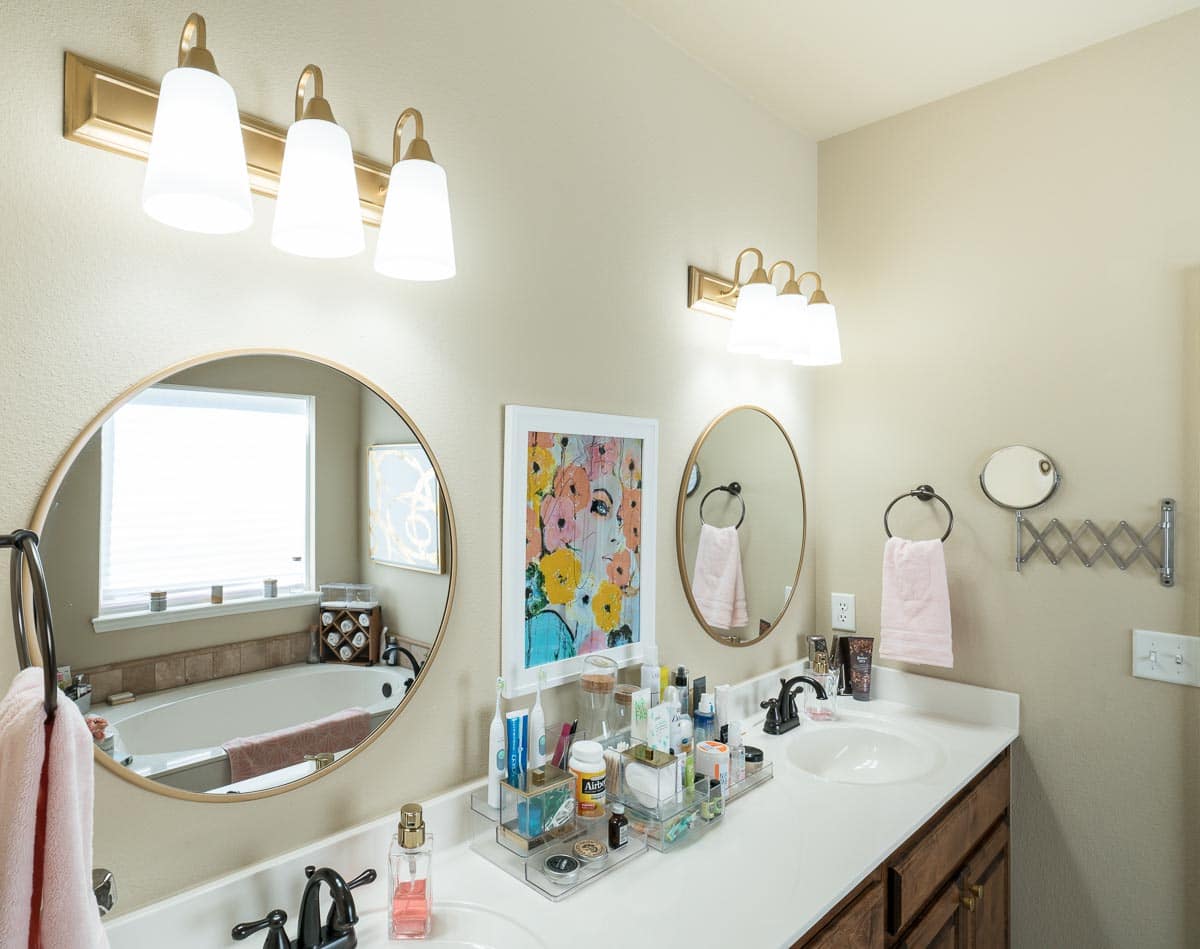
point(537, 727)
point(496, 761)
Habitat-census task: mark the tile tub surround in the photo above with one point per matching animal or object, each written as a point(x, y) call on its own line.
point(172, 670)
point(784, 856)
point(156, 673)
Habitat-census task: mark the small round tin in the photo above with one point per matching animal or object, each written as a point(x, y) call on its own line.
point(561, 867)
point(590, 850)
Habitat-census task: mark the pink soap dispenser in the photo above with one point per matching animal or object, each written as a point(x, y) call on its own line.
point(410, 864)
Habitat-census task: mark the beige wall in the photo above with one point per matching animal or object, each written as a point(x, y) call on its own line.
point(71, 536)
point(589, 162)
point(413, 601)
point(747, 447)
point(1019, 263)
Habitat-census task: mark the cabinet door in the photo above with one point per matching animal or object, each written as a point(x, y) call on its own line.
point(859, 926)
point(987, 882)
point(942, 925)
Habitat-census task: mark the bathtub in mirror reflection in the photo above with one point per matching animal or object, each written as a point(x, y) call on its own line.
point(213, 547)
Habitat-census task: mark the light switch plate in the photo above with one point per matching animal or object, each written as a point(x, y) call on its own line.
point(1166, 657)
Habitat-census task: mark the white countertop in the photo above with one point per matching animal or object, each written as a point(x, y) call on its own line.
point(782, 857)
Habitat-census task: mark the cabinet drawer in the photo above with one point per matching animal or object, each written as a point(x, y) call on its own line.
point(858, 926)
point(921, 870)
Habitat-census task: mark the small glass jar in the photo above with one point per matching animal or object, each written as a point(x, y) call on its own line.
point(623, 707)
point(822, 710)
point(597, 687)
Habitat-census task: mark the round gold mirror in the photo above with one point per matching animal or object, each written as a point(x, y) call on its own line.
point(251, 559)
point(740, 536)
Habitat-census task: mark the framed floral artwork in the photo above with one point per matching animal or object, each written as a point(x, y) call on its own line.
point(404, 508)
point(579, 546)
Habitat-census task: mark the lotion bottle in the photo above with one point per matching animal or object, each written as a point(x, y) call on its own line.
point(650, 674)
point(496, 760)
point(537, 727)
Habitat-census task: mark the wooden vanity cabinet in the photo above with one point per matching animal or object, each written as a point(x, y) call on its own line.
point(946, 887)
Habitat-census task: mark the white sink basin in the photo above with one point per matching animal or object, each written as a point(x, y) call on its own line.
point(858, 753)
point(458, 925)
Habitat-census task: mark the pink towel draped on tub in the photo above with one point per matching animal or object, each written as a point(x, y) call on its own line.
point(68, 917)
point(270, 751)
point(914, 623)
point(717, 585)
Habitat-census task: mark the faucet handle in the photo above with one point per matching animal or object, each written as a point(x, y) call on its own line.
point(367, 876)
point(276, 937)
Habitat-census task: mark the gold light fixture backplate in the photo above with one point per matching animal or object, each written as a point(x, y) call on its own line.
point(707, 293)
point(112, 109)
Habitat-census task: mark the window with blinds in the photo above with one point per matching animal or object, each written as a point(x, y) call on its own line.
point(201, 487)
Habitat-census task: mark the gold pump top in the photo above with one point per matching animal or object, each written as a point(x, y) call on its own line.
point(411, 831)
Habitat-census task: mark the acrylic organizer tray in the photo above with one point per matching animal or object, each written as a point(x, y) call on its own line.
point(765, 773)
point(492, 841)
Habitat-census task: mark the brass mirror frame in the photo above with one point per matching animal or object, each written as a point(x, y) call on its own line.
point(59, 474)
point(679, 513)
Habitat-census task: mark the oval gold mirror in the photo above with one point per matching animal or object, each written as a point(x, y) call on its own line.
point(251, 558)
point(740, 538)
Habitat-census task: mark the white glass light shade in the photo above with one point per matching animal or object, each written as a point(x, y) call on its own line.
point(196, 176)
point(824, 346)
point(317, 212)
point(753, 319)
point(787, 327)
point(415, 238)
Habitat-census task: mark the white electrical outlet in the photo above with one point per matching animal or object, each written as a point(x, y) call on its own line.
point(1166, 657)
point(841, 608)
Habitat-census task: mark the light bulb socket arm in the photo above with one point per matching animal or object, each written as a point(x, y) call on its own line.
point(316, 107)
point(193, 51)
point(817, 277)
point(418, 148)
point(791, 286)
point(758, 275)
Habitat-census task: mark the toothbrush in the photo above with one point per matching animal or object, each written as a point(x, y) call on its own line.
point(537, 727)
point(496, 750)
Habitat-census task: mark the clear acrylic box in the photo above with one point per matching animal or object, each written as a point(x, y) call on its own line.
point(540, 811)
point(701, 810)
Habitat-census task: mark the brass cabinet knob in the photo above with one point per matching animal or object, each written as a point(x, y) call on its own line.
point(976, 890)
point(969, 903)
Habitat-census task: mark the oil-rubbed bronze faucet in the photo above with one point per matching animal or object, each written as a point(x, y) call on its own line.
point(781, 712)
point(338, 931)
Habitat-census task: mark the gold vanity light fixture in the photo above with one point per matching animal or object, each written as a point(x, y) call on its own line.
point(784, 325)
point(189, 127)
point(415, 240)
point(317, 211)
point(196, 177)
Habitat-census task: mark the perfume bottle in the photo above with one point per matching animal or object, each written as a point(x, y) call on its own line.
point(410, 862)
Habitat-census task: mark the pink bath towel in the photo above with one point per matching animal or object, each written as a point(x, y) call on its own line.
point(68, 917)
point(270, 751)
point(717, 585)
point(914, 622)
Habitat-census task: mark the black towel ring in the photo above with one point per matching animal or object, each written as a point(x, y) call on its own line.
point(922, 492)
point(732, 488)
point(24, 547)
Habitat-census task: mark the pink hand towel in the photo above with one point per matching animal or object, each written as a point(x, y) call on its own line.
point(717, 585)
point(270, 751)
point(914, 622)
point(69, 918)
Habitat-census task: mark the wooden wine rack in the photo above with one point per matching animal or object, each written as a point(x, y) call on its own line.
point(346, 625)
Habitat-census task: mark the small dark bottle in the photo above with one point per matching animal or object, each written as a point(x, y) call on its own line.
point(618, 827)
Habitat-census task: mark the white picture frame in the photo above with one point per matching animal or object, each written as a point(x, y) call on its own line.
point(519, 422)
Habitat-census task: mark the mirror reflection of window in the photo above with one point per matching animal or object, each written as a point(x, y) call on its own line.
point(202, 487)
